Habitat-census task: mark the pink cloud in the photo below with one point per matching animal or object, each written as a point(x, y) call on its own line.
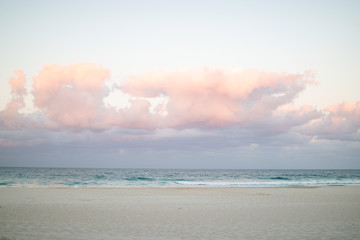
point(289, 116)
point(215, 97)
point(72, 97)
point(339, 121)
point(135, 117)
point(18, 83)
point(10, 117)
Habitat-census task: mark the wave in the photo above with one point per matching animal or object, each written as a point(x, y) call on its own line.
point(100, 176)
point(5, 183)
point(138, 179)
point(267, 183)
point(280, 178)
point(113, 178)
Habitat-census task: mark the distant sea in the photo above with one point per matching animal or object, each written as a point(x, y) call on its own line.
point(118, 178)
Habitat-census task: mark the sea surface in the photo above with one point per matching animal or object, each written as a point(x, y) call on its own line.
point(117, 178)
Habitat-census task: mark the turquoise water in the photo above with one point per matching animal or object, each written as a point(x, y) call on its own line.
point(114, 178)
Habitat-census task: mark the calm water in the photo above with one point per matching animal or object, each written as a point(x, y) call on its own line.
point(112, 178)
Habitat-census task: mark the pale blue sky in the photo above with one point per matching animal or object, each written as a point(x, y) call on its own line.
point(138, 36)
point(133, 37)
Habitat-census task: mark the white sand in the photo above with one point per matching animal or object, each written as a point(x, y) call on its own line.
point(181, 213)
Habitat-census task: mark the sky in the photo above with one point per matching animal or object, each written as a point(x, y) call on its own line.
point(180, 84)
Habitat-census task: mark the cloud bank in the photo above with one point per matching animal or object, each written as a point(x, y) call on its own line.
point(198, 101)
point(211, 97)
point(10, 117)
point(340, 121)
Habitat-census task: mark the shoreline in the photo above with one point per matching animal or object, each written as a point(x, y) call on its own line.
point(330, 212)
point(177, 187)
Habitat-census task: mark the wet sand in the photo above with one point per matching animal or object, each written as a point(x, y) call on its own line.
point(181, 213)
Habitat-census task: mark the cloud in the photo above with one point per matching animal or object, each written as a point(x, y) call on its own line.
point(247, 106)
point(10, 117)
point(71, 95)
point(216, 97)
point(289, 116)
point(340, 121)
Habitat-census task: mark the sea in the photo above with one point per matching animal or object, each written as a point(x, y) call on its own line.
point(119, 178)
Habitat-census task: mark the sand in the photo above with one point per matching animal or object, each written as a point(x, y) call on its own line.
point(181, 213)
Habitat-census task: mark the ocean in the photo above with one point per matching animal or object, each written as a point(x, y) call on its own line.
point(118, 178)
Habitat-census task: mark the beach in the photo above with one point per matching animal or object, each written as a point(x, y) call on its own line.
point(180, 213)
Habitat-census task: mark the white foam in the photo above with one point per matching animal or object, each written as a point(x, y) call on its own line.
point(267, 183)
